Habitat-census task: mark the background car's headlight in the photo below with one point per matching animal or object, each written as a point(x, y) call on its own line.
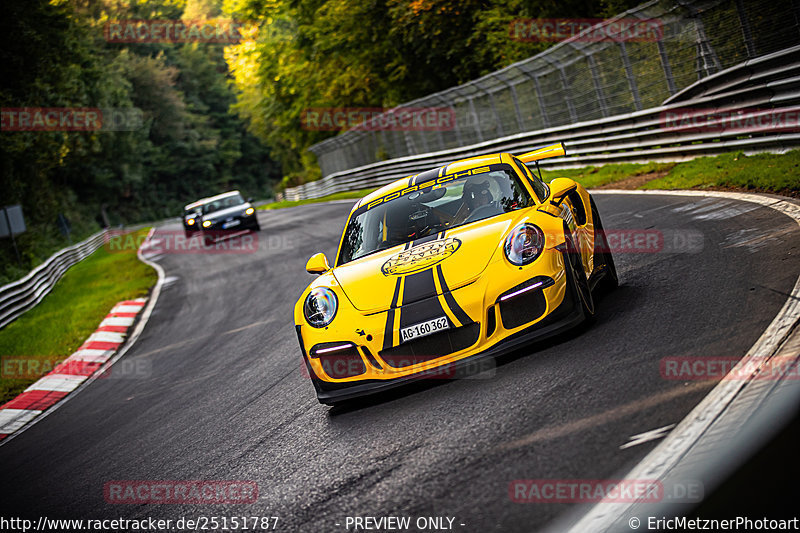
point(206, 223)
point(524, 244)
point(320, 307)
point(190, 221)
point(249, 211)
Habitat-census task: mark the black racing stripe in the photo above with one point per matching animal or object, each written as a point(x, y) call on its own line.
point(461, 315)
point(418, 286)
point(420, 302)
point(428, 175)
point(388, 332)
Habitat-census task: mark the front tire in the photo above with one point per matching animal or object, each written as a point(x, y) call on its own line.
point(579, 280)
point(610, 279)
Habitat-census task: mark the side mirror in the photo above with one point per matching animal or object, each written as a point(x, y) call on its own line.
point(318, 264)
point(250, 200)
point(560, 188)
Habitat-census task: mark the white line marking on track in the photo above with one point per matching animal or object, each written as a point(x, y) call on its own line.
point(127, 309)
point(57, 382)
point(13, 419)
point(105, 336)
point(91, 355)
point(647, 436)
point(117, 321)
point(668, 453)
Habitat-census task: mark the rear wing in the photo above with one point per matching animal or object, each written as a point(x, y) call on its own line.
point(554, 150)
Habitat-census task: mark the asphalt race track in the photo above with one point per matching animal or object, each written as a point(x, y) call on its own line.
point(217, 393)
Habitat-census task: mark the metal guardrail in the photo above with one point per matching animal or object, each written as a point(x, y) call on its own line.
point(20, 296)
point(770, 82)
point(584, 77)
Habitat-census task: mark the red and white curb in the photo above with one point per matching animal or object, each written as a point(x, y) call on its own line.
point(71, 372)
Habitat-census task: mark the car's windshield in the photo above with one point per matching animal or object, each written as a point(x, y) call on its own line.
point(223, 203)
point(436, 208)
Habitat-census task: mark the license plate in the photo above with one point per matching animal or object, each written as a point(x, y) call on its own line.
point(424, 328)
point(230, 224)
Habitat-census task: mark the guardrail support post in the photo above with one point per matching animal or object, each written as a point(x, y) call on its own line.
point(539, 97)
point(517, 111)
point(598, 89)
point(662, 53)
point(477, 122)
point(748, 35)
point(626, 61)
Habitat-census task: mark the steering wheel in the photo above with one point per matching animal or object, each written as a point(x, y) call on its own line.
point(483, 211)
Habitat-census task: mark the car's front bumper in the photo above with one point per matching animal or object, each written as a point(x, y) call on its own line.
point(566, 314)
point(246, 223)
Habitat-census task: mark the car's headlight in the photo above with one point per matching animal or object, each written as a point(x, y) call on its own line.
point(249, 211)
point(190, 221)
point(206, 223)
point(320, 307)
point(524, 244)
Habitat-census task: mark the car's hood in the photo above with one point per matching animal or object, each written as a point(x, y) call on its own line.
point(462, 254)
point(227, 212)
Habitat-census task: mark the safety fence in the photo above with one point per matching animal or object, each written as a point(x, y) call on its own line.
point(586, 78)
point(752, 106)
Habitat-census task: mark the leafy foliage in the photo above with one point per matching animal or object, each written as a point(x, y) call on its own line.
point(374, 53)
point(190, 145)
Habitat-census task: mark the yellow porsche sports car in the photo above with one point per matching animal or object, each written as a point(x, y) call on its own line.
point(449, 266)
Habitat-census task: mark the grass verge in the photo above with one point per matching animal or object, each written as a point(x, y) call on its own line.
point(56, 327)
point(776, 173)
point(335, 196)
point(772, 173)
point(591, 177)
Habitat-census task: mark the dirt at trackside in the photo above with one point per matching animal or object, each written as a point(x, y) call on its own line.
point(634, 182)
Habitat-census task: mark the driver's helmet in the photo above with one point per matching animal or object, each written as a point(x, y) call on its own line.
point(477, 193)
point(398, 223)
